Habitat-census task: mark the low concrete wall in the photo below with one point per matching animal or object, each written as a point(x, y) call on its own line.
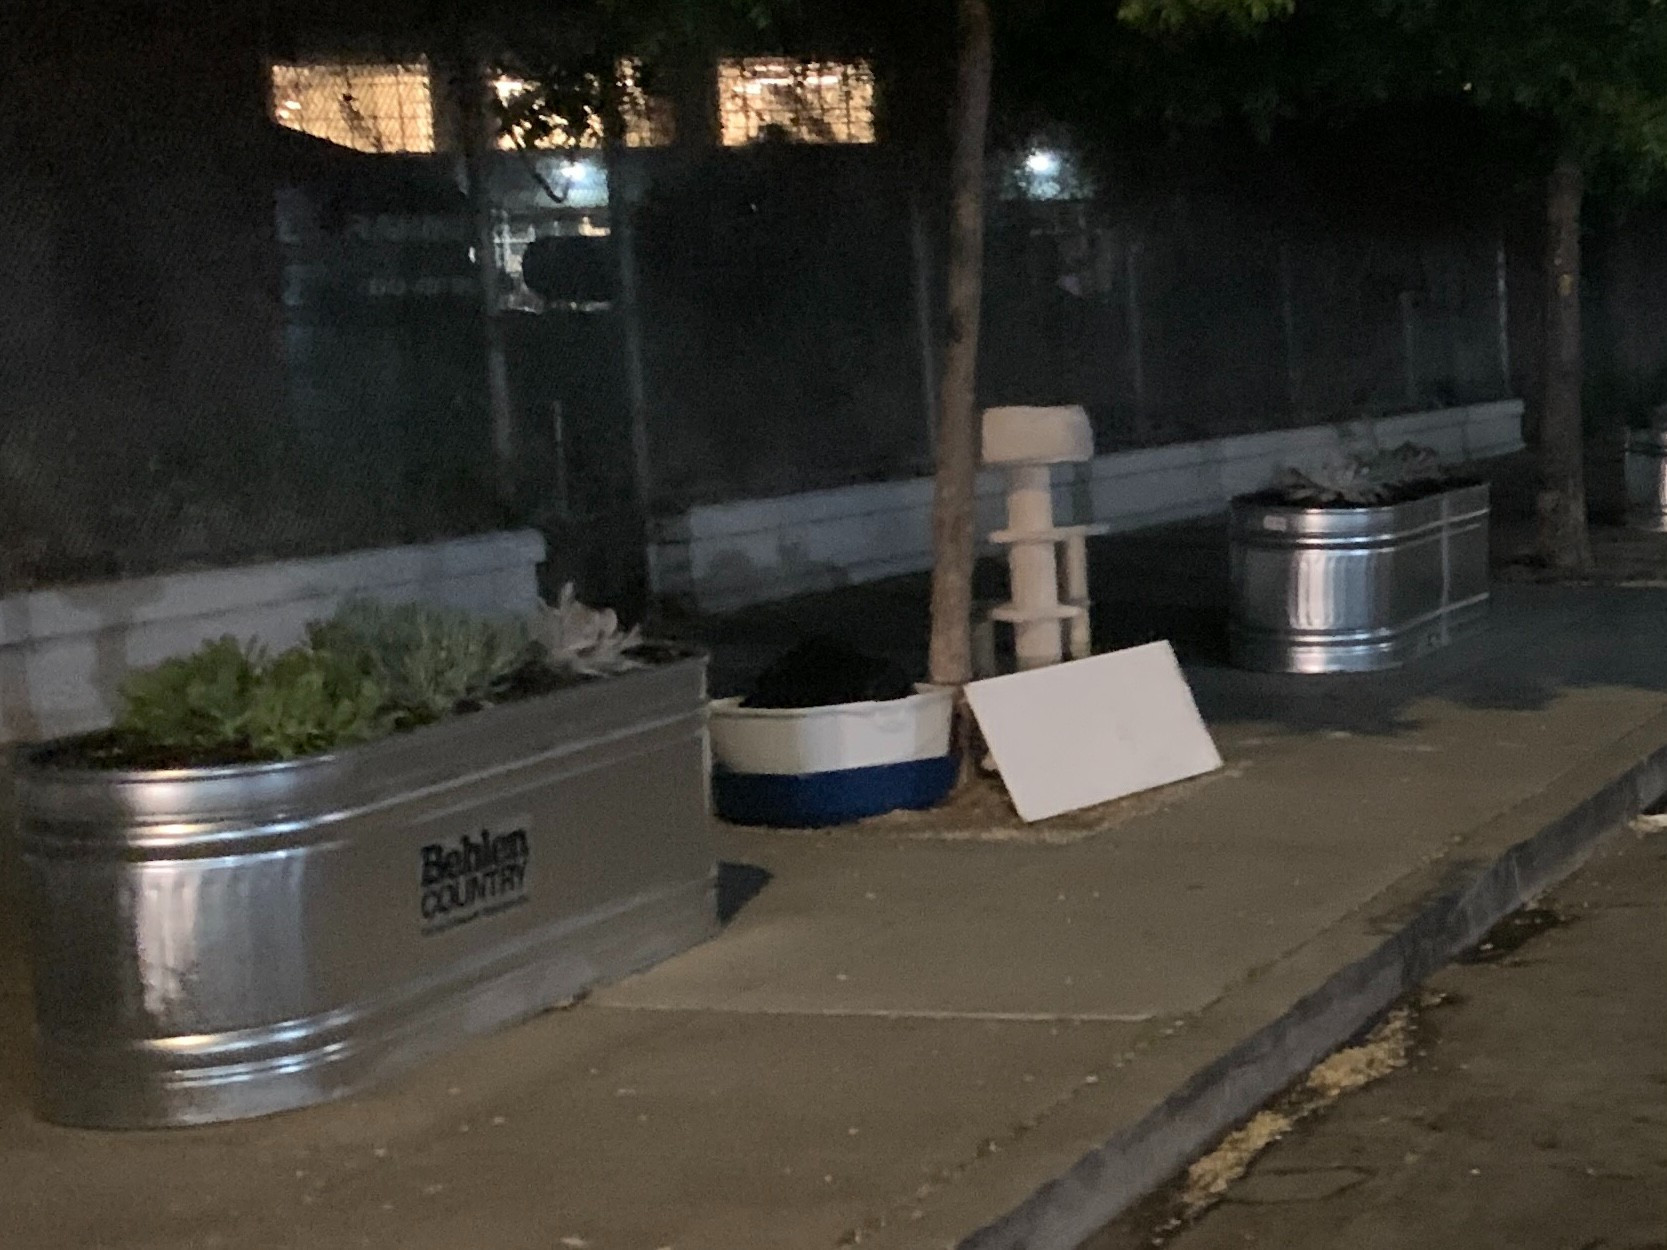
point(64, 652)
point(729, 555)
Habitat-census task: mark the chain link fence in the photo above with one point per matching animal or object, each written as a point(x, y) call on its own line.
point(1206, 320)
point(206, 387)
point(249, 340)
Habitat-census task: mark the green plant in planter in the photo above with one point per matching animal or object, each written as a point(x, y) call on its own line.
point(311, 701)
point(231, 700)
point(196, 702)
point(430, 661)
point(369, 670)
point(1364, 479)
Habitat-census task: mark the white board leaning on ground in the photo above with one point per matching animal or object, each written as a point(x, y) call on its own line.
point(1073, 735)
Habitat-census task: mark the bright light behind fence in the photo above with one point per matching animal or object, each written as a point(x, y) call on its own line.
point(1042, 163)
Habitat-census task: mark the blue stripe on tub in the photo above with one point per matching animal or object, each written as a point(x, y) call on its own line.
point(835, 797)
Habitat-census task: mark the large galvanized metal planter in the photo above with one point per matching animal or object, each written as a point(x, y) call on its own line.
point(216, 943)
point(1646, 480)
point(1331, 590)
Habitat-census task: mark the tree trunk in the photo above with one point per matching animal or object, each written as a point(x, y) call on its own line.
point(1561, 503)
point(634, 596)
point(955, 487)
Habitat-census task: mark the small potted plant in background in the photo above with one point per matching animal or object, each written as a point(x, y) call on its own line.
point(828, 736)
point(278, 877)
point(1359, 564)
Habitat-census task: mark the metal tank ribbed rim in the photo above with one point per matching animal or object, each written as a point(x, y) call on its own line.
point(72, 809)
point(1283, 524)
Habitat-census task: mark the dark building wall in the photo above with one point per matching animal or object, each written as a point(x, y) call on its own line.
point(781, 296)
point(1624, 339)
point(1226, 302)
point(783, 346)
point(139, 318)
point(1626, 309)
point(220, 341)
point(179, 384)
point(385, 422)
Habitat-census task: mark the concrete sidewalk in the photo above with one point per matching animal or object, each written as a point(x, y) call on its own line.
point(1530, 1114)
point(901, 1041)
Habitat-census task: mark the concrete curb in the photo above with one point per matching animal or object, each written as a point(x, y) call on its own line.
point(1136, 1160)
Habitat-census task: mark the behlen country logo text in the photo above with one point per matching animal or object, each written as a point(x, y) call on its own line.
point(478, 875)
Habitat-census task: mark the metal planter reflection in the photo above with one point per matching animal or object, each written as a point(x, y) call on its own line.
point(1332, 590)
point(211, 944)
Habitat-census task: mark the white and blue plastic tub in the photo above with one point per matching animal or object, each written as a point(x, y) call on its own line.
point(808, 768)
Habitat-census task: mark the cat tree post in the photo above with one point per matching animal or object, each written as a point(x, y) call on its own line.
point(1027, 443)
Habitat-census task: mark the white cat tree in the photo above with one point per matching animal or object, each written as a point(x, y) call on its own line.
point(1060, 734)
point(1027, 443)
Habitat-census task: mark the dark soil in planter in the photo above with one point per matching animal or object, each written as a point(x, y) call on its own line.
point(117, 751)
point(823, 673)
point(1273, 497)
point(111, 749)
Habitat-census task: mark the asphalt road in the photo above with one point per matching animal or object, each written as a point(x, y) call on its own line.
point(1531, 1113)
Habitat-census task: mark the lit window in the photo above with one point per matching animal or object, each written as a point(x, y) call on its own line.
point(798, 101)
point(372, 108)
point(509, 89)
point(647, 118)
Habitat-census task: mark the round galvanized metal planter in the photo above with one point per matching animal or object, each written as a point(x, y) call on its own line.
point(1646, 480)
point(210, 944)
point(1333, 590)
